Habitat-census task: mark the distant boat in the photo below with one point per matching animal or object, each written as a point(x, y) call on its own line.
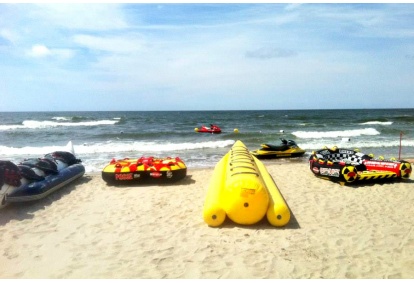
point(213, 129)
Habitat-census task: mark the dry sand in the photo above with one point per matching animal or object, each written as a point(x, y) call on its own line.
point(91, 230)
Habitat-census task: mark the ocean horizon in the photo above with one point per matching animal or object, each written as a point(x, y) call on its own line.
point(100, 136)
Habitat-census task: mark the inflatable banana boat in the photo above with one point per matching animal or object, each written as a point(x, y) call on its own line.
point(242, 190)
point(36, 178)
point(143, 170)
point(347, 166)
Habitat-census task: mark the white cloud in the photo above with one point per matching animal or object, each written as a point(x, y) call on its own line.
point(127, 43)
point(39, 51)
point(8, 35)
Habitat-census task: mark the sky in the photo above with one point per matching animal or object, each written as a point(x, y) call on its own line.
point(201, 56)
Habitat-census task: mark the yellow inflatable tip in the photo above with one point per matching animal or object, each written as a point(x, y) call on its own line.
point(196, 129)
point(236, 130)
point(214, 216)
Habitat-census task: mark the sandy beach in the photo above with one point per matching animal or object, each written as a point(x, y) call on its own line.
point(91, 230)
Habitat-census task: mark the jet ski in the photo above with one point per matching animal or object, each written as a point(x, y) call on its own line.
point(287, 148)
point(213, 129)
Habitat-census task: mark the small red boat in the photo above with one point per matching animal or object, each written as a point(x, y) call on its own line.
point(213, 129)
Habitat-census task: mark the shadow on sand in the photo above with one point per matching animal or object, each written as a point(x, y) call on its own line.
point(25, 210)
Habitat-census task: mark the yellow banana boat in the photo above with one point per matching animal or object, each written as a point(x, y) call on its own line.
point(213, 214)
point(278, 213)
point(244, 195)
point(243, 190)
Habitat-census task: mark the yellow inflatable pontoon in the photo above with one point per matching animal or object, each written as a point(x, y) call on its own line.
point(243, 190)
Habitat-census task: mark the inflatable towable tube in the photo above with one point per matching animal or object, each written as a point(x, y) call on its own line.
point(144, 169)
point(243, 190)
point(347, 166)
point(35, 178)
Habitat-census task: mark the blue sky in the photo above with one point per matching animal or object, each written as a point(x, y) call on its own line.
point(105, 56)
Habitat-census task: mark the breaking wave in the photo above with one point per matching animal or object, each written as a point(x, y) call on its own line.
point(335, 134)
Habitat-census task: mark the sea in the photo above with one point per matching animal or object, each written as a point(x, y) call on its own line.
point(97, 137)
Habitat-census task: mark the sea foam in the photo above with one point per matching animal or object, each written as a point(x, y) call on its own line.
point(32, 124)
point(335, 134)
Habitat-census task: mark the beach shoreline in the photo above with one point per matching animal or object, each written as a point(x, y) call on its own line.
point(91, 230)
